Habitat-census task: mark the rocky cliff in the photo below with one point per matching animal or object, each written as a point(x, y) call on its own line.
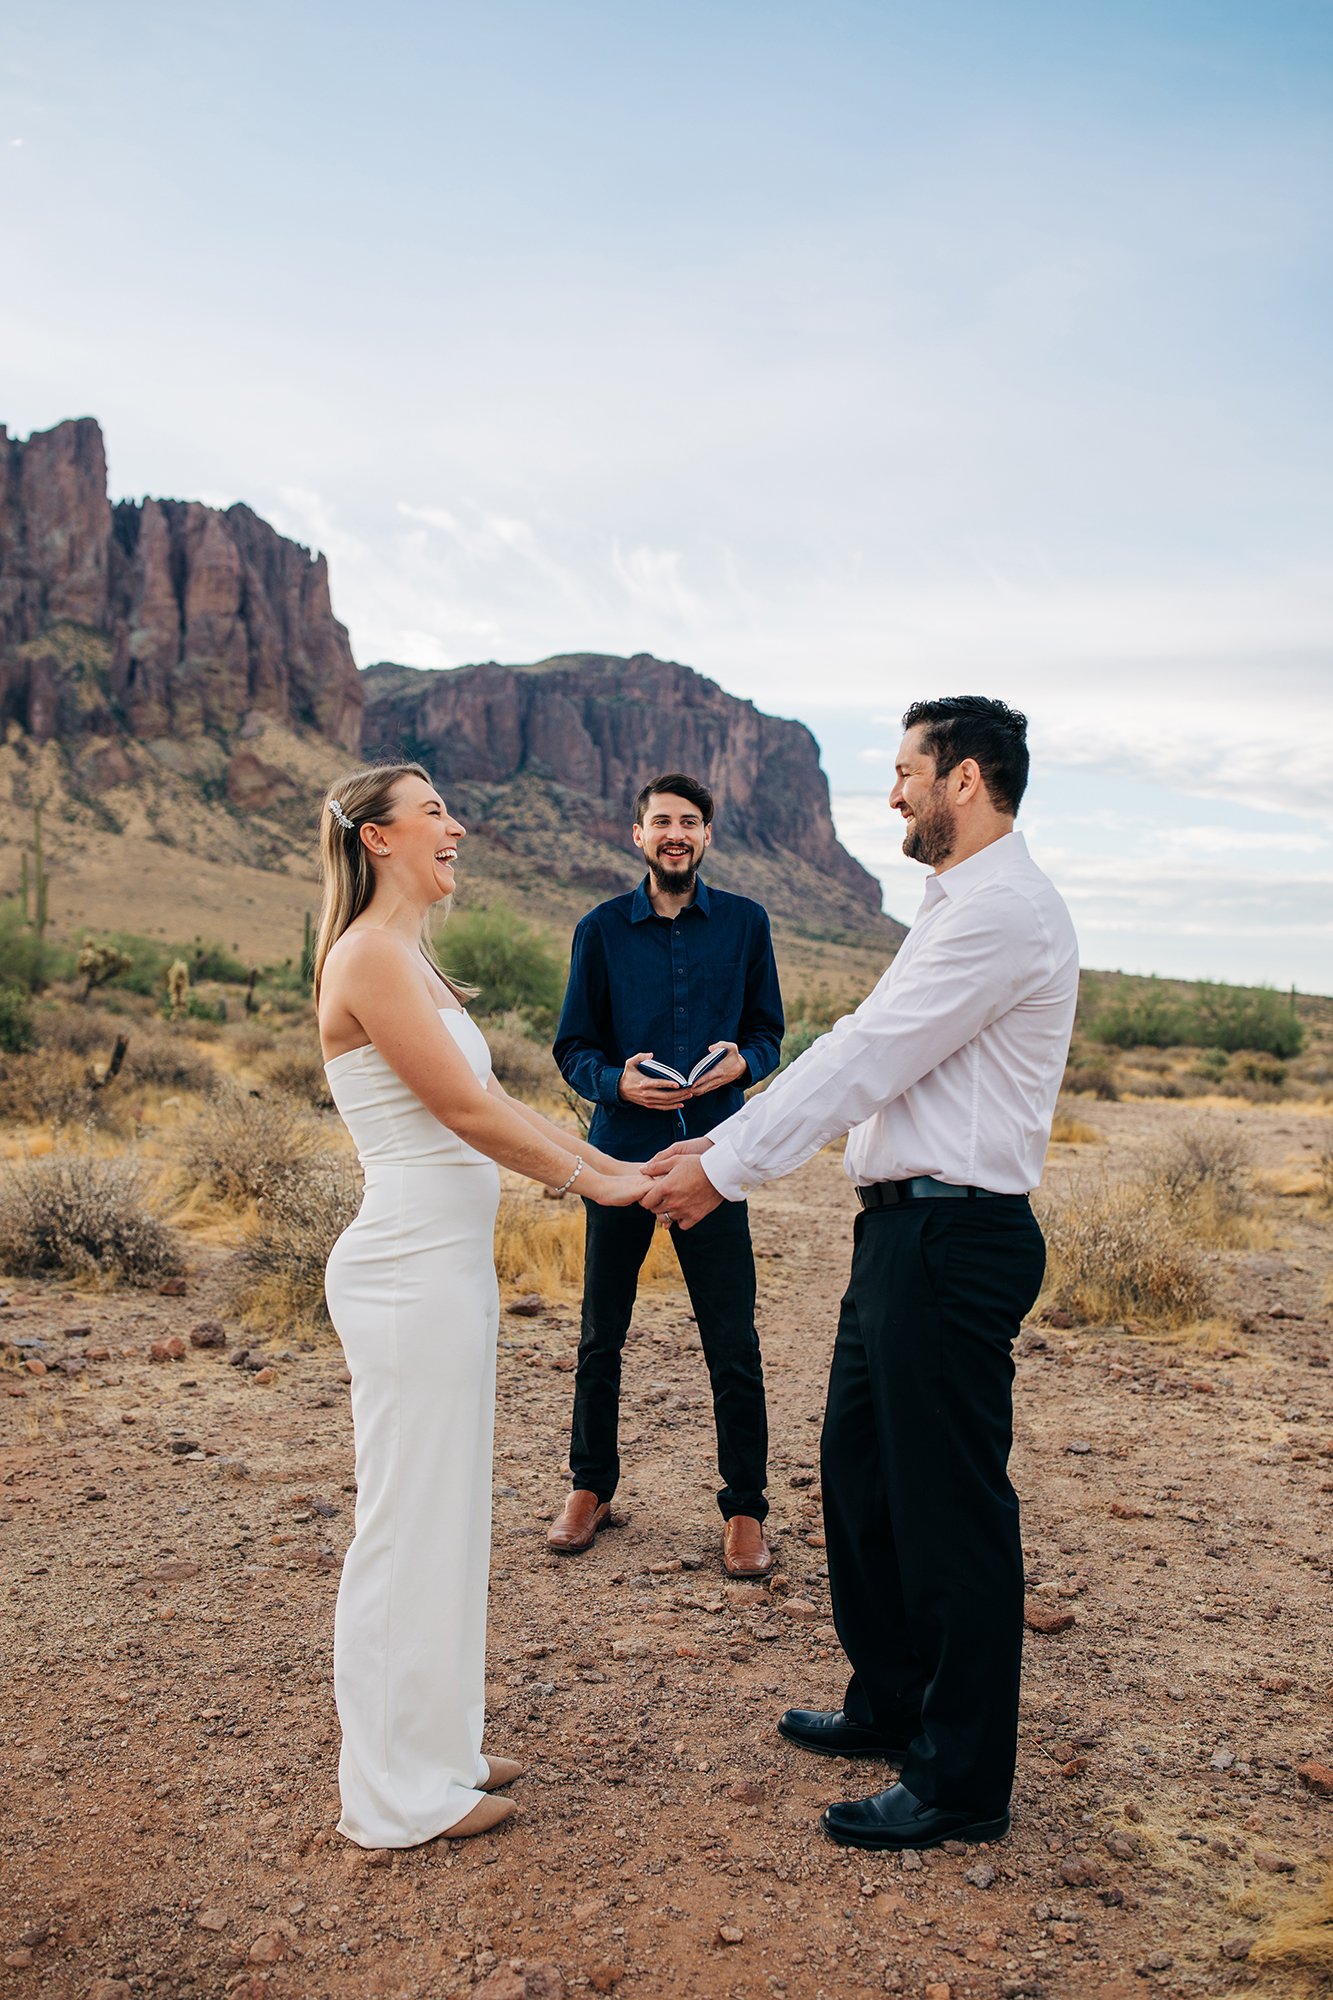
point(206, 617)
point(574, 737)
point(173, 681)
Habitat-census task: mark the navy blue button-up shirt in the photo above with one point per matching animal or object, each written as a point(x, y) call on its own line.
point(639, 981)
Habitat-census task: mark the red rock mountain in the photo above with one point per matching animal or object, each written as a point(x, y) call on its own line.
point(210, 616)
point(183, 667)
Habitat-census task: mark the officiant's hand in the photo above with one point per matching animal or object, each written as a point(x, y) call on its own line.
point(730, 1070)
point(653, 1093)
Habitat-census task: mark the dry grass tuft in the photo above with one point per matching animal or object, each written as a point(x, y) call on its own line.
point(251, 1148)
point(1298, 1934)
point(298, 1069)
point(1205, 1175)
point(539, 1248)
point(1068, 1129)
point(53, 1087)
point(78, 1215)
point(1114, 1254)
point(281, 1266)
point(524, 1066)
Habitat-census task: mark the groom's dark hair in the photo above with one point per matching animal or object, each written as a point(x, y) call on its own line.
point(994, 735)
point(681, 787)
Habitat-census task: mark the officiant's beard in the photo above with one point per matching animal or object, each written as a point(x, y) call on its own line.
point(673, 881)
point(933, 834)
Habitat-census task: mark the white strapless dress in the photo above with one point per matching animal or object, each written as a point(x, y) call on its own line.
point(412, 1293)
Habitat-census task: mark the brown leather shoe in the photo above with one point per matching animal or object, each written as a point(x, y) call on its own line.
point(575, 1526)
point(744, 1550)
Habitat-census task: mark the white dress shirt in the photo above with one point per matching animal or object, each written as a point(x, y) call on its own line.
point(951, 1067)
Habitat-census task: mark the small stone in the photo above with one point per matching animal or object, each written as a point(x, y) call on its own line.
point(37, 1934)
point(1044, 1618)
point(910, 1860)
point(1159, 1961)
point(1317, 1778)
point(98, 1353)
point(801, 1609)
point(1221, 1760)
point(19, 1960)
point(211, 1920)
point(980, 1878)
point(938, 1989)
point(746, 1793)
point(502, 1984)
point(239, 1356)
point(628, 1649)
point(602, 1978)
point(208, 1333)
point(543, 1981)
point(1235, 1947)
point(1121, 1846)
point(1065, 1933)
point(265, 1375)
point(1079, 1447)
point(158, 1351)
point(529, 1306)
point(379, 1857)
point(109, 1989)
point(179, 1446)
point(173, 1288)
point(1273, 1864)
point(268, 1948)
point(1061, 1319)
point(34, 1366)
point(1077, 1872)
point(730, 1934)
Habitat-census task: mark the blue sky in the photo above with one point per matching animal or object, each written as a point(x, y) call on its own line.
point(849, 352)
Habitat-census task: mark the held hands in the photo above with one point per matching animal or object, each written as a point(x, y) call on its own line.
point(679, 1191)
point(619, 1190)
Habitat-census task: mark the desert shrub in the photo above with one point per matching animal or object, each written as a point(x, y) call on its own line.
point(54, 1087)
point(514, 968)
point(208, 960)
point(73, 1215)
point(299, 1070)
point(80, 1031)
point(26, 960)
point(253, 1038)
point(250, 1148)
point(148, 961)
point(1324, 1165)
point(1205, 1155)
point(1114, 1253)
point(523, 1064)
point(157, 1055)
point(280, 1270)
point(798, 1037)
point(1146, 1016)
point(17, 1032)
point(539, 1247)
point(1092, 1075)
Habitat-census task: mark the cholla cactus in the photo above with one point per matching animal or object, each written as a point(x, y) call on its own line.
point(178, 985)
point(99, 962)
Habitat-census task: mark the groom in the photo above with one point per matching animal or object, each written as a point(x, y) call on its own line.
point(945, 1080)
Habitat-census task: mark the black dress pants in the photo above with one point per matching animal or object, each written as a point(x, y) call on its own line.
point(717, 1264)
point(924, 1552)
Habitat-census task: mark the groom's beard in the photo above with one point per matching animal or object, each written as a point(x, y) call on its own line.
point(673, 881)
point(932, 835)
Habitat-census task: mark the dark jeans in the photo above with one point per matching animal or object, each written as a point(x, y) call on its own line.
point(924, 1552)
point(717, 1264)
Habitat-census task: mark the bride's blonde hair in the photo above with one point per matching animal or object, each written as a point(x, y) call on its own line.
point(346, 876)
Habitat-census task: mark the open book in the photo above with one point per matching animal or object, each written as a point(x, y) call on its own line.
point(650, 1066)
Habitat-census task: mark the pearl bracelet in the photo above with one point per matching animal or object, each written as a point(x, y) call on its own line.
point(567, 1185)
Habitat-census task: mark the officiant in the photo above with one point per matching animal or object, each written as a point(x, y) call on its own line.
point(673, 971)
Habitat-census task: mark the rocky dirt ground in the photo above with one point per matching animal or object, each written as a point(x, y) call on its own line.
point(172, 1530)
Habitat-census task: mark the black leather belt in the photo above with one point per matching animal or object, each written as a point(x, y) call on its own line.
point(888, 1194)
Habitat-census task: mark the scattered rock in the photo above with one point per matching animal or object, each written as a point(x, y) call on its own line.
point(802, 1609)
point(109, 1989)
point(910, 1860)
point(265, 1375)
point(179, 1446)
point(1221, 1760)
point(746, 1793)
point(980, 1878)
point(19, 1960)
point(209, 1333)
point(173, 1288)
point(1080, 1448)
point(1125, 1510)
point(240, 1355)
point(938, 1989)
point(1156, 1961)
point(1121, 1846)
point(1273, 1864)
point(211, 1920)
point(1236, 1947)
point(1317, 1778)
point(502, 1984)
point(1077, 1872)
point(730, 1934)
point(529, 1306)
point(602, 1977)
point(268, 1948)
point(1045, 1618)
point(34, 1366)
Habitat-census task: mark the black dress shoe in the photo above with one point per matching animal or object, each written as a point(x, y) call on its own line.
point(830, 1733)
point(897, 1819)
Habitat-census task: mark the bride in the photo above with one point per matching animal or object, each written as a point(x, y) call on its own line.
point(412, 1294)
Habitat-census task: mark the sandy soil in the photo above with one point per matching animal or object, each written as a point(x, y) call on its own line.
point(172, 1532)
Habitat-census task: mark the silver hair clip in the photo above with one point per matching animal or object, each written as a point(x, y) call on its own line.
point(335, 807)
